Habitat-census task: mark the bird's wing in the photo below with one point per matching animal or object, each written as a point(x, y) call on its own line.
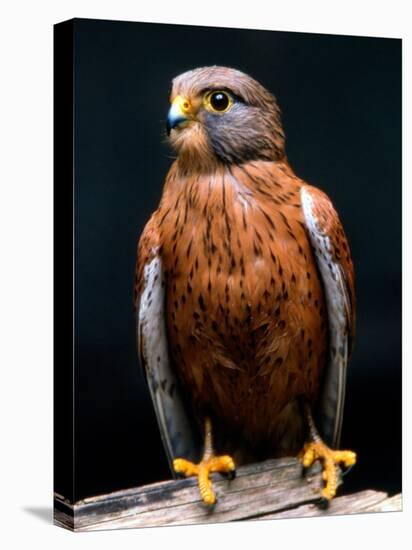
point(330, 247)
point(177, 432)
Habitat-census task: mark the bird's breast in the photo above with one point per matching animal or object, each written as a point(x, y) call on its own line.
point(245, 308)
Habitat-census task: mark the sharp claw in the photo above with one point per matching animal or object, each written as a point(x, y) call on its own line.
point(346, 470)
point(231, 475)
point(210, 505)
point(323, 503)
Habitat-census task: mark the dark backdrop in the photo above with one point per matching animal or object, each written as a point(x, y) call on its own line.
point(341, 103)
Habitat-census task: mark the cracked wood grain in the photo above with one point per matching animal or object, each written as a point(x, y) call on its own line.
point(267, 490)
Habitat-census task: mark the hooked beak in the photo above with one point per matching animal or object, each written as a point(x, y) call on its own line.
point(180, 113)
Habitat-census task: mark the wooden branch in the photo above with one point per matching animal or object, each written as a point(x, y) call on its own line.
point(267, 490)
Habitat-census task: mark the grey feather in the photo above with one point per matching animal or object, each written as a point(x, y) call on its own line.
point(178, 433)
point(331, 403)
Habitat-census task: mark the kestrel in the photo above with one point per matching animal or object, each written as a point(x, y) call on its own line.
point(244, 291)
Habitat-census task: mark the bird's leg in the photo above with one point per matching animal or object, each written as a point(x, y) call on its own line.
point(316, 449)
point(209, 463)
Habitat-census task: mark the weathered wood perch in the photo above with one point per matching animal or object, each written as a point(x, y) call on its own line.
point(268, 490)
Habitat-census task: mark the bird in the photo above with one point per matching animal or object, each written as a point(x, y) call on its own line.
point(244, 292)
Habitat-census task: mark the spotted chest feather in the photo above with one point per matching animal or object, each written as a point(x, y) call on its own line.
point(245, 308)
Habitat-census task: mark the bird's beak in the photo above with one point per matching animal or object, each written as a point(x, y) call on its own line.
point(180, 113)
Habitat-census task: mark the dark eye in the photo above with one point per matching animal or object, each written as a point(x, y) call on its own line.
point(219, 101)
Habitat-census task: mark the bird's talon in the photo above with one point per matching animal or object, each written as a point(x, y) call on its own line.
point(220, 464)
point(317, 450)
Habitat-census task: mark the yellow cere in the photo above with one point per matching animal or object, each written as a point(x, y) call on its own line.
point(182, 104)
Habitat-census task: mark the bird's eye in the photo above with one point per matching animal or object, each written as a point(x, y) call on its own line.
point(218, 101)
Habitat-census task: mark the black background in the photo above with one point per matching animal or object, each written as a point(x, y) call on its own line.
point(341, 103)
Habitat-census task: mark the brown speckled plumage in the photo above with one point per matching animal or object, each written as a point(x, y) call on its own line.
point(246, 317)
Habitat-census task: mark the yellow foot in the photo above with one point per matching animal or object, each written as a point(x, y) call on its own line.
point(222, 464)
point(317, 450)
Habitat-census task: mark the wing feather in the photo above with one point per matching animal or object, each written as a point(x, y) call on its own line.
point(177, 432)
point(332, 254)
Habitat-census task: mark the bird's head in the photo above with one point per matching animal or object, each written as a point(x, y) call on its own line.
point(221, 115)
